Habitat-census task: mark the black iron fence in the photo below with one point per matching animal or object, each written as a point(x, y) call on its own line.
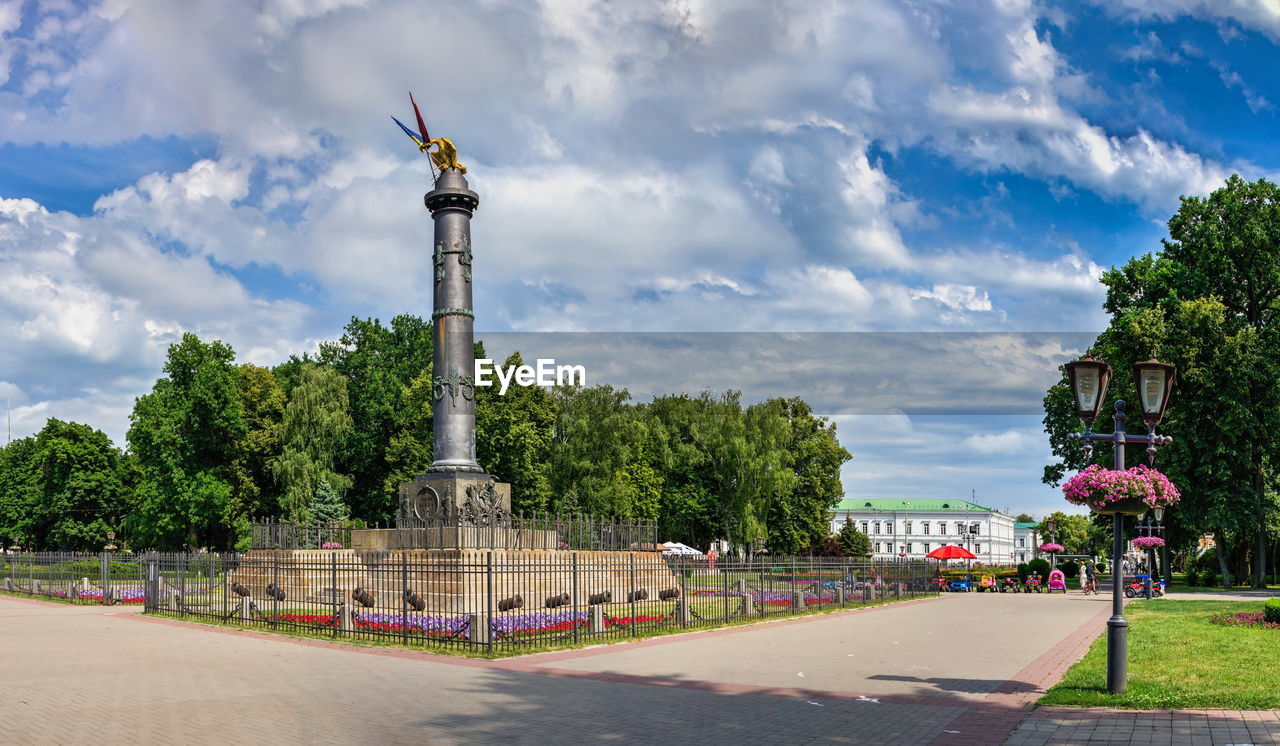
point(490, 600)
point(105, 578)
point(277, 534)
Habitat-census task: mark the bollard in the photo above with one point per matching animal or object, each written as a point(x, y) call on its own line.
point(36, 586)
point(797, 600)
point(742, 586)
point(346, 622)
point(595, 620)
point(71, 591)
point(748, 604)
point(175, 601)
point(840, 595)
point(682, 612)
point(866, 594)
point(245, 611)
point(8, 584)
point(479, 629)
point(84, 584)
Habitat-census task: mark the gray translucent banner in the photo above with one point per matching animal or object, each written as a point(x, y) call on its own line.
point(836, 372)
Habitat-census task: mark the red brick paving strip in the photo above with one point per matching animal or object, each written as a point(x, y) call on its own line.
point(999, 714)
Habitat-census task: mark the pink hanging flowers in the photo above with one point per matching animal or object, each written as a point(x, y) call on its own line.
point(1052, 548)
point(1097, 487)
point(1148, 542)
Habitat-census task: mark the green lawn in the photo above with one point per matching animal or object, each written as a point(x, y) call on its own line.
point(1179, 660)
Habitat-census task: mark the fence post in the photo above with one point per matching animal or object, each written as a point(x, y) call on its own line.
point(488, 617)
point(275, 583)
point(683, 603)
point(104, 563)
point(152, 588)
point(337, 596)
point(404, 598)
point(632, 594)
point(575, 596)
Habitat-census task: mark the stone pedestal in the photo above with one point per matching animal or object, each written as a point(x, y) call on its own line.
point(453, 497)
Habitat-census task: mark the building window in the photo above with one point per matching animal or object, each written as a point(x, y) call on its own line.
point(908, 525)
point(977, 549)
point(1022, 541)
point(925, 525)
point(864, 527)
point(926, 547)
point(877, 528)
point(877, 547)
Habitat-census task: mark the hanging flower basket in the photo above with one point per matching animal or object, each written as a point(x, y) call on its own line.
point(1052, 548)
point(1129, 492)
point(1148, 542)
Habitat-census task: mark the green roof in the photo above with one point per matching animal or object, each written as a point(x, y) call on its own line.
point(1024, 524)
point(858, 503)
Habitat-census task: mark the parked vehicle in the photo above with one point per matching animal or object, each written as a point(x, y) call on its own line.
point(986, 583)
point(1138, 588)
point(1011, 584)
point(1057, 581)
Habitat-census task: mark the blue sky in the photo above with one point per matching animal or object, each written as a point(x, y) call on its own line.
point(684, 166)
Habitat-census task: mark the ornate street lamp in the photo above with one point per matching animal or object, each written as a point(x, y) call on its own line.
point(1052, 526)
point(1089, 380)
point(111, 542)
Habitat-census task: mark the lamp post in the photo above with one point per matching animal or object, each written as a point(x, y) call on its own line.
point(111, 542)
point(1052, 526)
point(1089, 380)
point(1151, 525)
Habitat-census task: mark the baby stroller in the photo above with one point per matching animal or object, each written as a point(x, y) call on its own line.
point(1057, 581)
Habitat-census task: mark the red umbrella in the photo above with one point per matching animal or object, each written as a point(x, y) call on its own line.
point(951, 552)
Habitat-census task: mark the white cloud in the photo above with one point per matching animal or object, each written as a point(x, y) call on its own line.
point(1258, 15)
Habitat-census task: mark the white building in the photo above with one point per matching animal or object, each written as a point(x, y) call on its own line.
point(917, 527)
point(1026, 542)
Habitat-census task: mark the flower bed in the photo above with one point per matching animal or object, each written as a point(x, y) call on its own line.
point(447, 627)
point(1244, 619)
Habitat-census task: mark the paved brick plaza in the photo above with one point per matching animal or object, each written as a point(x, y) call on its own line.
point(93, 674)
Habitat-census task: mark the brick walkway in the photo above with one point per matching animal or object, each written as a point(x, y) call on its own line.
point(962, 669)
point(1061, 725)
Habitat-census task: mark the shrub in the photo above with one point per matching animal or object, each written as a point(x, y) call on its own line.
point(1192, 577)
point(1271, 611)
point(1022, 572)
point(1211, 578)
point(1039, 565)
point(1069, 568)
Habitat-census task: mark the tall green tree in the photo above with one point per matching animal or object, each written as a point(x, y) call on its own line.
point(316, 427)
point(800, 513)
point(597, 436)
point(185, 435)
point(853, 542)
point(18, 488)
point(263, 403)
point(1073, 532)
point(79, 495)
point(379, 363)
point(1207, 303)
point(514, 433)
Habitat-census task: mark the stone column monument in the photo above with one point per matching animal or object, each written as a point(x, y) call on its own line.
point(455, 489)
